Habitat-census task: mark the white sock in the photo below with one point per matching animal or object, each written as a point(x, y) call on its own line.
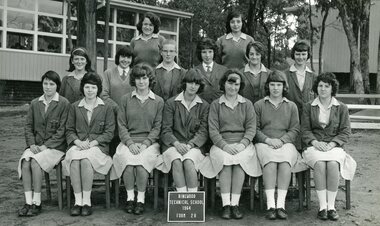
point(331, 195)
point(28, 197)
point(281, 195)
point(322, 199)
point(226, 199)
point(130, 195)
point(192, 189)
point(235, 199)
point(141, 196)
point(78, 199)
point(182, 189)
point(87, 198)
point(37, 198)
point(270, 198)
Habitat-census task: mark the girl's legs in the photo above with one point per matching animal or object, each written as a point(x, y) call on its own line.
point(190, 175)
point(269, 177)
point(225, 185)
point(320, 183)
point(238, 176)
point(26, 174)
point(283, 180)
point(129, 182)
point(87, 175)
point(179, 175)
point(332, 183)
point(76, 181)
point(141, 182)
point(37, 181)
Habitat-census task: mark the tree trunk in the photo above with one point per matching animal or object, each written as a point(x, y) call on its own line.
point(87, 28)
point(69, 26)
point(378, 72)
point(321, 43)
point(364, 44)
point(106, 32)
point(311, 36)
point(251, 18)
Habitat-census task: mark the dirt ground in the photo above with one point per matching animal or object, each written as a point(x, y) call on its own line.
point(365, 191)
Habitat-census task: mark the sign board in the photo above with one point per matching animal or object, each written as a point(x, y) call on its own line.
point(186, 206)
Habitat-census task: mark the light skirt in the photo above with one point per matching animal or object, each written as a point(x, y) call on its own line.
point(47, 159)
point(214, 163)
point(124, 157)
point(100, 162)
point(347, 164)
point(287, 153)
point(165, 160)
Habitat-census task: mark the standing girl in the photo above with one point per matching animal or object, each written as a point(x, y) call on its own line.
point(45, 140)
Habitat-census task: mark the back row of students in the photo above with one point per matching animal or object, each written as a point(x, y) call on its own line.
point(254, 133)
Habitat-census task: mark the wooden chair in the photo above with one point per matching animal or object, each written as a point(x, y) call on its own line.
point(106, 182)
point(58, 169)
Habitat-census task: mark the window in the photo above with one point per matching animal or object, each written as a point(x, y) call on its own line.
point(22, 4)
point(168, 36)
point(19, 41)
point(168, 24)
point(124, 34)
point(50, 24)
point(20, 20)
point(101, 14)
point(49, 44)
point(100, 49)
point(50, 6)
point(74, 42)
point(101, 29)
point(74, 27)
point(126, 17)
point(1, 17)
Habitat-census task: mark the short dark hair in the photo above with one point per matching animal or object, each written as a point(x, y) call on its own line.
point(223, 80)
point(206, 43)
point(140, 70)
point(259, 47)
point(93, 79)
point(301, 46)
point(125, 51)
point(329, 78)
point(276, 76)
point(154, 19)
point(53, 76)
point(79, 51)
point(233, 14)
point(193, 75)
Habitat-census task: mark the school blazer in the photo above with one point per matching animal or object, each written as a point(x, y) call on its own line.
point(69, 91)
point(100, 128)
point(247, 92)
point(175, 86)
point(338, 129)
point(47, 128)
point(211, 91)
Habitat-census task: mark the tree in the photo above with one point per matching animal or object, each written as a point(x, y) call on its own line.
point(364, 43)
point(378, 72)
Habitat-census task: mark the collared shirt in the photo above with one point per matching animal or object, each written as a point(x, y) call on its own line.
point(239, 99)
point(211, 65)
point(174, 65)
point(248, 69)
point(47, 103)
point(181, 98)
point(324, 113)
point(284, 99)
point(72, 74)
point(300, 75)
point(146, 39)
point(121, 70)
point(89, 108)
point(242, 36)
point(143, 98)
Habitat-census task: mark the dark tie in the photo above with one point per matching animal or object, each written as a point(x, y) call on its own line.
point(123, 76)
point(208, 71)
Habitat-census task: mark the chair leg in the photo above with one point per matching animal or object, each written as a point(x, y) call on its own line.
point(308, 188)
point(252, 193)
point(48, 188)
point(348, 194)
point(205, 189)
point(68, 192)
point(212, 192)
point(108, 194)
point(300, 190)
point(261, 193)
point(166, 181)
point(117, 192)
point(156, 184)
point(59, 185)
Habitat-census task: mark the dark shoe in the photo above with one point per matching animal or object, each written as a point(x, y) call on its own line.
point(281, 214)
point(139, 209)
point(235, 212)
point(322, 214)
point(271, 214)
point(75, 210)
point(25, 211)
point(36, 209)
point(332, 215)
point(86, 210)
point(226, 212)
point(129, 207)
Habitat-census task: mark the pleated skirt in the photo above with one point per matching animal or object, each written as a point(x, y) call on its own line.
point(165, 160)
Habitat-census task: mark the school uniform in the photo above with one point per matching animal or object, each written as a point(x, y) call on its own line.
point(231, 124)
point(70, 88)
point(185, 124)
point(281, 122)
point(328, 125)
point(45, 125)
point(232, 51)
point(168, 80)
point(254, 83)
point(147, 50)
point(84, 123)
point(211, 79)
point(139, 121)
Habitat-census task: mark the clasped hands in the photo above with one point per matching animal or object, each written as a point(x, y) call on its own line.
point(323, 146)
point(181, 147)
point(86, 144)
point(36, 149)
point(234, 148)
point(137, 148)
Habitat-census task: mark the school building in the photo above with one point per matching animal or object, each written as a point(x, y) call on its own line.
point(34, 39)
